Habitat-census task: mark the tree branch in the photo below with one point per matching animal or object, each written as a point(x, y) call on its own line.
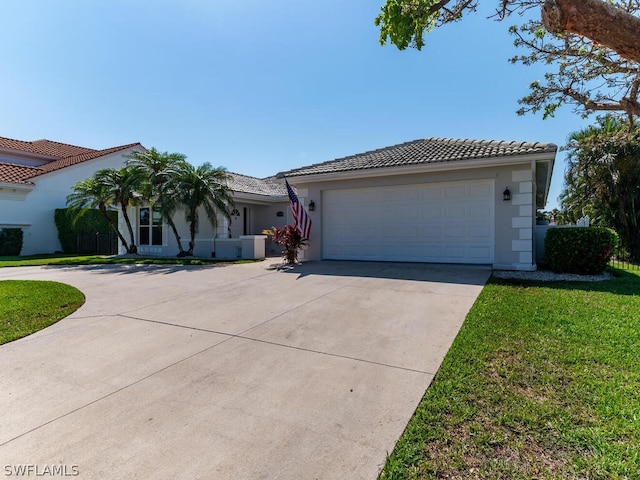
point(597, 20)
point(625, 104)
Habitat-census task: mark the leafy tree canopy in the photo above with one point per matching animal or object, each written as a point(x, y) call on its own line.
point(602, 179)
point(582, 71)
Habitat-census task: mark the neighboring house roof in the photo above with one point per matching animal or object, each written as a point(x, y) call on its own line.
point(83, 157)
point(258, 186)
point(43, 147)
point(423, 152)
point(59, 155)
point(19, 174)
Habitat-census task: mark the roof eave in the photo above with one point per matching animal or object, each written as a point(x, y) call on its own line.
point(450, 165)
point(265, 199)
point(17, 186)
point(547, 186)
point(26, 154)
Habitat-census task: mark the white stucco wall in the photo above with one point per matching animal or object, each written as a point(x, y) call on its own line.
point(35, 210)
point(261, 216)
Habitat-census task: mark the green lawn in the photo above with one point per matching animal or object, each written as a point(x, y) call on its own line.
point(542, 382)
point(62, 259)
point(28, 306)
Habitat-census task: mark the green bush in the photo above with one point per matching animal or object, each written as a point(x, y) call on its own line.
point(583, 250)
point(71, 223)
point(10, 241)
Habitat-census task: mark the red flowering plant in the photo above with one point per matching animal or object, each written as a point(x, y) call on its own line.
point(289, 239)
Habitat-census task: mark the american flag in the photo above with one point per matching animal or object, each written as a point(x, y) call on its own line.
point(300, 215)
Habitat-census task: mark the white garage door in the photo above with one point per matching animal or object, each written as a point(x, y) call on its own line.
point(440, 223)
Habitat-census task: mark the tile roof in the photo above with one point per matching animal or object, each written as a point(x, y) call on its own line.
point(83, 157)
point(43, 147)
point(258, 186)
point(12, 173)
point(60, 155)
point(422, 152)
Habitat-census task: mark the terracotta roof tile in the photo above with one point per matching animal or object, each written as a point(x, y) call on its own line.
point(83, 157)
point(12, 173)
point(60, 155)
point(43, 147)
point(423, 151)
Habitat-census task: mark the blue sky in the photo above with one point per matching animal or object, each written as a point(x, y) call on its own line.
point(257, 87)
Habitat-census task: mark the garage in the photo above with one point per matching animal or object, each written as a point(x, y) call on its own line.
point(449, 222)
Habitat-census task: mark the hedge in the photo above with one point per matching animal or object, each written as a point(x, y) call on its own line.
point(10, 241)
point(71, 223)
point(582, 250)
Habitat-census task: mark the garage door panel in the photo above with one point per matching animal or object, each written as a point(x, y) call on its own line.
point(431, 212)
point(456, 212)
point(479, 252)
point(450, 222)
point(480, 191)
point(455, 252)
point(431, 193)
point(454, 192)
point(480, 232)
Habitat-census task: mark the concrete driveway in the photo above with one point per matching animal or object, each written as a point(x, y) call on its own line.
point(228, 372)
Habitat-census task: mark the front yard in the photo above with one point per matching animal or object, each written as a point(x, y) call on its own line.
point(542, 382)
point(28, 306)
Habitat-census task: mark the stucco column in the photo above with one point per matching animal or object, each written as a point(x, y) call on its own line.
point(521, 222)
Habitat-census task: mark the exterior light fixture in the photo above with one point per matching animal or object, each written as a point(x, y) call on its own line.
point(312, 206)
point(506, 195)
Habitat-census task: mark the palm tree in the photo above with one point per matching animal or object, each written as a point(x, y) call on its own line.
point(160, 169)
point(124, 187)
point(202, 186)
point(90, 193)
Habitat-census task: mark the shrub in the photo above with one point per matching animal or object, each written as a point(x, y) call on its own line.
point(10, 241)
point(289, 238)
point(581, 250)
point(71, 223)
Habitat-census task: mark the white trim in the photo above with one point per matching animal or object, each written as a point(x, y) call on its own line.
point(14, 225)
point(16, 186)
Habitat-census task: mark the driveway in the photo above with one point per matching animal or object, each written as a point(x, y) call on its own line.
point(228, 372)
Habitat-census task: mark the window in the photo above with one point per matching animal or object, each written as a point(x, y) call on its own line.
point(150, 227)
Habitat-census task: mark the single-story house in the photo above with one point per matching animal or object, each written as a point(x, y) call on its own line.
point(35, 179)
point(433, 200)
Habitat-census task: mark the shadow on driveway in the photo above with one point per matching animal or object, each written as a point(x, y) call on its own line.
point(419, 272)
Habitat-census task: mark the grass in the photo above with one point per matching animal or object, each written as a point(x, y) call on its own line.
point(542, 382)
point(28, 306)
point(62, 259)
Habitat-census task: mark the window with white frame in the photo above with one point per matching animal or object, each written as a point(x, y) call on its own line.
point(149, 226)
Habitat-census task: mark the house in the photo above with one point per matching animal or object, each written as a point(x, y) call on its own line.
point(434, 200)
point(431, 200)
point(35, 179)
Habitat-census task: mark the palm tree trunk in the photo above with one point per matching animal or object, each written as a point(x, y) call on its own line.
point(132, 246)
point(192, 231)
point(177, 235)
point(114, 227)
